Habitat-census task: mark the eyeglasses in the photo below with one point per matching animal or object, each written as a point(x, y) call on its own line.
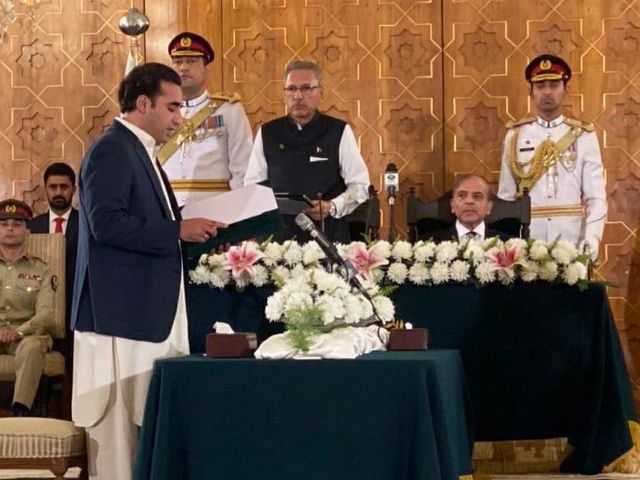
point(303, 89)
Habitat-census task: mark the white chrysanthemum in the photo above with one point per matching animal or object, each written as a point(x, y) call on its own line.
point(260, 276)
point(563, 252)
point(312, 253)
point(297, 299)
point(519, 242)
point(459, 271)
point(378, 275)
point(328, 282)
point(397, 273)
point(574, 272)
point(474, 251)
point(548, 271)
point(280, 274)
point(275, 307)
point(199, 275)
point(485, 272)
point(354, 311)
point(529, 271)
point(219, 278)
point(298, 271)
point(384, 308)
point(424, 251)
point(402, 250)
point(382, 248)
point(272, 253)
point(203, 259)
point(419, 274)
point(538, 250)
point(439, 273)
point(446, 251)
point(332, 308)
point(506, 276)
point(291, 253)
point(216, 260)
point(491, 243)
point(344, 250)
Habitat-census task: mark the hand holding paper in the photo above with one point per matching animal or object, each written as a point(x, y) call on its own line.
point(233, 206)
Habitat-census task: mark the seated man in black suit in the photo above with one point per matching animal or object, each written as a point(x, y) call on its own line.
point(471, 203)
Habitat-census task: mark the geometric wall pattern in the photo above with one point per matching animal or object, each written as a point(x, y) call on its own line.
point(426, 84)
point(60, 64)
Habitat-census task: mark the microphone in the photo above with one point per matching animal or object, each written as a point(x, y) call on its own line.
point(348, 271)
point(326, 245)
point(391, 182)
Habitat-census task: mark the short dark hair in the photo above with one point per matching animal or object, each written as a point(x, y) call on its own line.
point(303, 65)
point(144, 80)
point(60, 168)
point(463, 178)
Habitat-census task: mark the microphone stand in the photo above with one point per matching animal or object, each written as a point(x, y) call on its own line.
point(392, 217)
point(319, 197)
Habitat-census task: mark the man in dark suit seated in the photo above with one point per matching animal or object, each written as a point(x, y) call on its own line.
point(471, 203)
point(60, 185)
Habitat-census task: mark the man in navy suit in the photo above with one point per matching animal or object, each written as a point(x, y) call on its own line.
point(471, 203)
point(60, 185)
point(129, 303)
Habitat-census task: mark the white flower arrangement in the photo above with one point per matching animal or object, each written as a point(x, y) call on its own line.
point(312, 301)
point(423, 263)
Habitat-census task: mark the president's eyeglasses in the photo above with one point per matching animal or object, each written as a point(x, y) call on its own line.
point(291, 90)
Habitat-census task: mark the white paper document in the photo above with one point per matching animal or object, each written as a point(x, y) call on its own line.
point(233, 206)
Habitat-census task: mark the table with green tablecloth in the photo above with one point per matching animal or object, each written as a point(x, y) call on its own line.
point(386, 415)
point(541, 360)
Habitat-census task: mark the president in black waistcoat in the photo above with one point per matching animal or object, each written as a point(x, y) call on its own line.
point(309, 153)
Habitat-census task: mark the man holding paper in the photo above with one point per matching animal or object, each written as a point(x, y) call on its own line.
point(309, 154)
point(129, 299)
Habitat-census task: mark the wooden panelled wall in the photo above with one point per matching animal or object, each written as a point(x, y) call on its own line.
point(426, 84)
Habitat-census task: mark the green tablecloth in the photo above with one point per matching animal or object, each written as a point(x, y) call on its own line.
point(542, 361)
point(387, 415)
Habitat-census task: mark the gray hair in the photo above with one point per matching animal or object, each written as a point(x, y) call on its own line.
point(303, 65)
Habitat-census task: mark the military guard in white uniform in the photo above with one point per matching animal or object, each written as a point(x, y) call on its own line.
point(209, 153)
point(557, 159)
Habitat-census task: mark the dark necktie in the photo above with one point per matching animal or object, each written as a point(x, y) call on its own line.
point(172, 198)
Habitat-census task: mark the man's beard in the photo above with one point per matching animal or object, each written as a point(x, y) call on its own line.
point(60, 203)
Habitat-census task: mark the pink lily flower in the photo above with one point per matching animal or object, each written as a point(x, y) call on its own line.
point(506, 258)
point(366, 260)
point(241, 259)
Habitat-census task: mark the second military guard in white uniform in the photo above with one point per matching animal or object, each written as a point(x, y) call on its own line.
point(557, 160)
point(210, 152)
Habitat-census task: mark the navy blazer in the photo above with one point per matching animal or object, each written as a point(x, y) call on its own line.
point(129, 265)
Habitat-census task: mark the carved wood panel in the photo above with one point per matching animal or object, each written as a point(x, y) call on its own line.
point(60, 64)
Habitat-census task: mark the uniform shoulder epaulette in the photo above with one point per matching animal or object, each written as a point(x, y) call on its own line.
point(227, 97)
point(522, 121)
point(574, 122)
point(37, 258)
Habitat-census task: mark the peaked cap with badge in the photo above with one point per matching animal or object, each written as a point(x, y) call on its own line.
point(15, 209)
point(547, 67)
point(188, 44)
